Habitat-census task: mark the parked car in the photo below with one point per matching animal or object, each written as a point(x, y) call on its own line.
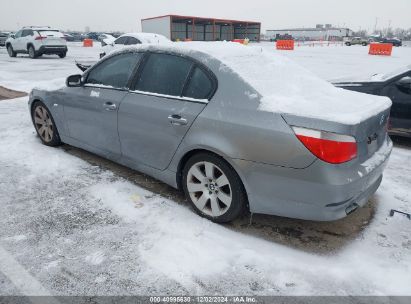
point(395, 85)
point(3, 38)
point(75, 36)
point(93, 35)
point(37, 41)
point(393, 41)
point(106, 37)
point(111, 44)
point(356, 40)
point(201, 117)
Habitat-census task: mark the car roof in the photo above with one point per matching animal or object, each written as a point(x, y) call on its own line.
point(147, 37)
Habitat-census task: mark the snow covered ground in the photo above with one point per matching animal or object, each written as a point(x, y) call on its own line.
point(71, 226)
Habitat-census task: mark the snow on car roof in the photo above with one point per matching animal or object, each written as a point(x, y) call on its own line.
point(148, 37)
point(286, 87)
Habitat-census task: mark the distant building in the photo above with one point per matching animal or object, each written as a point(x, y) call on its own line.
point(320, 32)
point(177, 27)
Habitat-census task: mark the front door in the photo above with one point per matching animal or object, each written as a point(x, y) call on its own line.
point(91, 110)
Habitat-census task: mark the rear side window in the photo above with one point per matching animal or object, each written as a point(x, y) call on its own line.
point(115, 71)
point(200, 85)
point(27, 33)
point(121, 40)
point(164, 74)
point(132, 41)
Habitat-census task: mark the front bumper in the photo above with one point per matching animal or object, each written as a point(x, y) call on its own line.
point(321, 192)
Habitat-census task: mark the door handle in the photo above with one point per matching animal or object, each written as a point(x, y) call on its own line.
point(109, 106)
point(177, 120)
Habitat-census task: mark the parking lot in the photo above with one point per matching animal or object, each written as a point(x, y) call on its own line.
point(77, 224)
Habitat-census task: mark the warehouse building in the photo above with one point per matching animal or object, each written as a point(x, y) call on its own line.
point(320, 32)
point(177, 27)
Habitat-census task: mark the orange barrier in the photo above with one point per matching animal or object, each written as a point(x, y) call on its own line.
point(380, 49)
point(188, 39)
point(87, 42)
point(285, 44)
point(238, 41)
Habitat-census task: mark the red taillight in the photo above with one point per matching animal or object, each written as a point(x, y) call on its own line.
point(40, 37)
point(330, 147)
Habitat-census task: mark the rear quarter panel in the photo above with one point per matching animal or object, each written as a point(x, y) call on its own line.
point(232, 126)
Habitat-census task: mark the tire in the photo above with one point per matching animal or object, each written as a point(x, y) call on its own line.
point(32, 52)
point(44, 124)
point(348, 44)
point(10, 50)
point(364, 44)
point(213, 188)
point(62, 55)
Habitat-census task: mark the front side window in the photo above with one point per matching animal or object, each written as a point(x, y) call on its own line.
point(200, 86)
point(164, 74)
point(115, 71)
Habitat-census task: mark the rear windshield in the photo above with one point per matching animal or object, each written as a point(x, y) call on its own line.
point(51, 33)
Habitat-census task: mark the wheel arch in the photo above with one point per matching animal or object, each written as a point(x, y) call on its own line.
point(188, 154)
point(30, 44)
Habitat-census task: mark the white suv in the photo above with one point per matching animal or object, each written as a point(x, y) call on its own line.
point(37, 41)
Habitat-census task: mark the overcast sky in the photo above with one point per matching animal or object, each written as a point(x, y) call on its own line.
point(125, 15)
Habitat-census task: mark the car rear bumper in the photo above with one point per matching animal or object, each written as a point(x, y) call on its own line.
point(321, 192)
point(52, 49)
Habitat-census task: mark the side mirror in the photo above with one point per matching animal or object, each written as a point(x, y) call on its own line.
point(404, 84)
point(74, 81)
point(12, 36)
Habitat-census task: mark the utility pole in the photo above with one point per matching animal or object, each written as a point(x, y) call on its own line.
point(375, 26)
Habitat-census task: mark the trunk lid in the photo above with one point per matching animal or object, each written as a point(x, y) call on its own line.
point(370, 133)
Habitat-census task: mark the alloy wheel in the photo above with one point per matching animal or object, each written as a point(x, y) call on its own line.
point(209, 188)
point(43, 123)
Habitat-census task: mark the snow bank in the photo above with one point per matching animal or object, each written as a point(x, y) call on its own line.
point(285, 86)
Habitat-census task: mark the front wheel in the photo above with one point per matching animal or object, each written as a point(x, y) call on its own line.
point(364, 44)
point(44, 124)
point(11, 52)
point(214, 188)
point(62, 55)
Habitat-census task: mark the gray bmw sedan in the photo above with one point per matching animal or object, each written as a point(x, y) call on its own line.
point(235, 127)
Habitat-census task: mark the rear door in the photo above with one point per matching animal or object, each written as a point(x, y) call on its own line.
point(155, 116)
point(91, 110)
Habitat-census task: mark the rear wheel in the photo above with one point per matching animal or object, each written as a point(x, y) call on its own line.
point(62, 55)
point(364, 44)
point(32, 52)
point(44, 124)
point(11, 52)
point(348, 44)
point(214, 188)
